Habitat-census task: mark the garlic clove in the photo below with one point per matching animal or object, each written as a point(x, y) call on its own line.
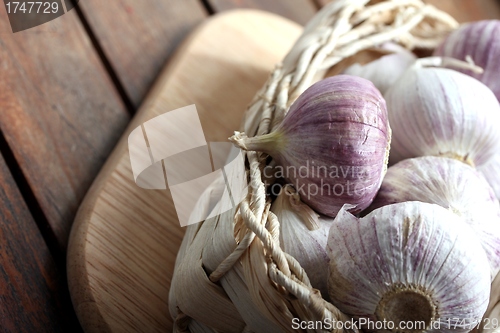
point(303, 235)
point(481, 42)
point(441, 112)
point(491, 171)
point(333, 144)
point(384, 71)
point(452, 185)
point(408, 261)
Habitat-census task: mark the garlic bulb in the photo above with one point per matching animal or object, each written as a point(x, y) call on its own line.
point(491, 171)
point(333, 144)
point(385, 71)
point(303, 236)
point(405, 263)
point(452, 185)
point(441, 112)
point(481, 42)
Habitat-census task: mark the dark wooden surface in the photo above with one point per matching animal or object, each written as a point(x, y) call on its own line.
point(138, 36)
point(60, 114)
point(299, 11)
point(470, 10)
point(32, 296)
point(67, 90)
point(462, 10)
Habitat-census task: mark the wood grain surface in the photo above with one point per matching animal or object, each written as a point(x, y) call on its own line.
point(125, 239)
point(469, 10)
point(299, 11)
point(60, 114)
point(461, 10)
point(139, 36)
point(32, 295)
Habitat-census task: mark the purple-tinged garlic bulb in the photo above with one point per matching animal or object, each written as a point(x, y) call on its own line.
point(481, 42)
point(452, 185)
point(303, 235)
point(491, 171)
point(333, 144)
point(410, 262)
point(441, 112)
point(384, 71)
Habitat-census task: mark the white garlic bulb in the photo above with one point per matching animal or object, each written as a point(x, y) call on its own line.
point(491, 171)
point(441, 112)
point(332, 145)
point(408, 262)
point(478, 40)
point(303, 236)
point(452, 185)
point(384, 71)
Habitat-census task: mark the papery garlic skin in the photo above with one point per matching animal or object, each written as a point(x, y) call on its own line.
point(441, 112)
point(408, 261)
point(491, 171)
point(332, 145)
point(307, 246)
point(481, 42)
point(385, 71)
point(452, 185)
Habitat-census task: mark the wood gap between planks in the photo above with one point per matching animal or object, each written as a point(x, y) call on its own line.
point(36, 211)
point(208, 7)
point(318, 4)
point(105, 61)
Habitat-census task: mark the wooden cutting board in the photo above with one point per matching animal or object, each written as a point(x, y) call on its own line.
point(124, 240)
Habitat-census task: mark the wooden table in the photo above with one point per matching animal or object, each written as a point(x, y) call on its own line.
point(68, 89)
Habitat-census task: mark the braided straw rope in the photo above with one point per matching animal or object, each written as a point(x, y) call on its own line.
point(252, 285)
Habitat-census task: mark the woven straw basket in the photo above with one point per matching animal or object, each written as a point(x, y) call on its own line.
point(231, 274)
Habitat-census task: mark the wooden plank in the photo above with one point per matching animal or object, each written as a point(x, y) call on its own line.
point(125, 239)
point(299, 11)
point(60, 113)
point(469, 10)
point(138, 36)
point(461, 10)
point(31, 298)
